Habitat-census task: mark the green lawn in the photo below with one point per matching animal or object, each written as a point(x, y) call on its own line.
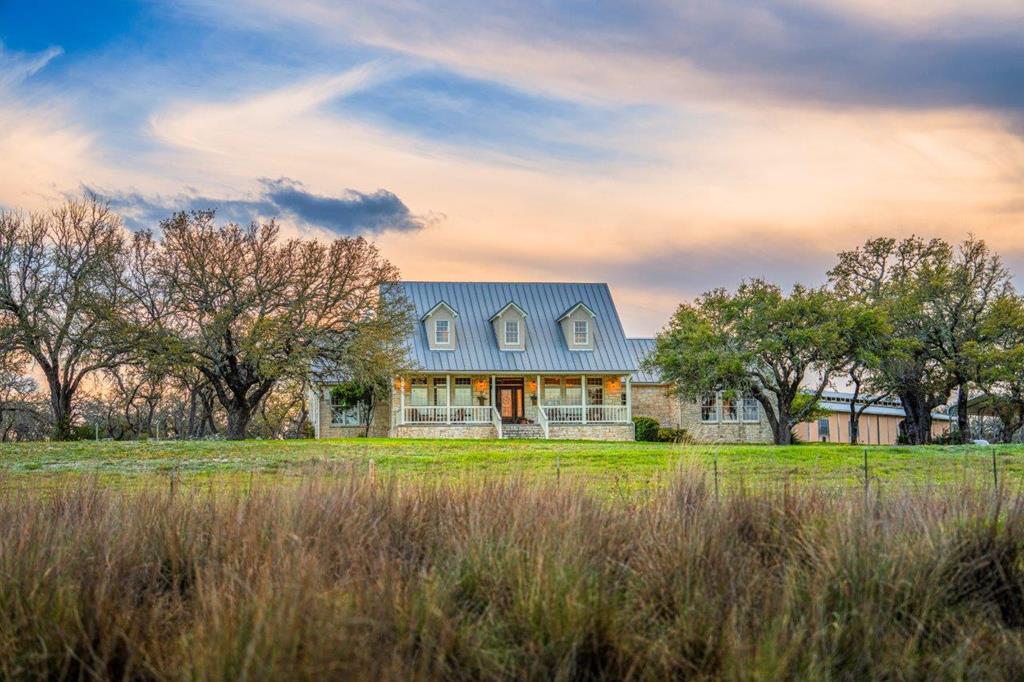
point(628, 466)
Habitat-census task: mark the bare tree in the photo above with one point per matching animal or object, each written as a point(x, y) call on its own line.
point(61, 296)
point(248, 310)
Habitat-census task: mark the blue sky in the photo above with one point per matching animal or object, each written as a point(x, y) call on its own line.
point(664, 147)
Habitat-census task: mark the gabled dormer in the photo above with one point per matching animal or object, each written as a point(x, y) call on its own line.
point(578, 327)
point(510, 327)
point(439, 325)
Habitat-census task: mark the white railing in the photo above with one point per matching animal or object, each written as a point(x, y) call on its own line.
point(496, 420)
point(542, 419)
point(574, 414)
point(442, 414)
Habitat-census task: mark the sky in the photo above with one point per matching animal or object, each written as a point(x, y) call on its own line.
point(664, 147)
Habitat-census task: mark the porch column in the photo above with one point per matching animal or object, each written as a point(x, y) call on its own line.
point(538, 393)
point(448, 398)
point(629, 398)
point(401, 400)
point(493, 404)
point(583, 396)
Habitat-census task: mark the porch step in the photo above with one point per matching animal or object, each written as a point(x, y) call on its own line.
point(522, 431)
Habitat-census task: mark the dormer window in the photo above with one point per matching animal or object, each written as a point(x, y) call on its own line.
point(581, 332)
point(512, 332)
point(442, 332)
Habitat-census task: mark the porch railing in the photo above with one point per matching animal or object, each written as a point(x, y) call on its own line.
point(542, 419)
point(574, 414)
point(443, 414)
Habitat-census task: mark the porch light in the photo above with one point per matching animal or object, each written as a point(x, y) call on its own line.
point(532, 385)
point(398, 384)
point(614, 384)
point(480, 385)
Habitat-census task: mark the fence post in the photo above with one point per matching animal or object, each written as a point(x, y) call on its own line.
point(866, 479)
point(715, 462)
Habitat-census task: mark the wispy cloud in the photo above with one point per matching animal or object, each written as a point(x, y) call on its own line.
point(350, 213)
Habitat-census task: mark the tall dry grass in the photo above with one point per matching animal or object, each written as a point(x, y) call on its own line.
point(501, 579)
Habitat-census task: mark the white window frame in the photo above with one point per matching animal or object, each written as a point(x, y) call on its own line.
point(713, 418)
point(748, 400)
point(509, 325)
point(576, 332)
point(462, 392)
point(447, 332)
point(723, 415)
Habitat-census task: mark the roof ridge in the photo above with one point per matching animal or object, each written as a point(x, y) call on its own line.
point(497, 282)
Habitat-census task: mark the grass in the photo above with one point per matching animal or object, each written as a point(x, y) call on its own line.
point(347, 575)
point(619, 466)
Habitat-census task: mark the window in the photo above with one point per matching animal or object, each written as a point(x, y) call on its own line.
point(581, 332)
point(751, 410)
point(442, 334)
point(729, 409)
point(463, 392)
point(552, 391)
point(512, 332)
point(573, 391)
point(440, 391)
point(823, 429)
point(349, 415)
point(418, 392)
point(709, 408)
point(595, 391)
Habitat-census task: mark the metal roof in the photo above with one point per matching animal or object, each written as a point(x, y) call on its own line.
point(641, 348)
point(476, 348)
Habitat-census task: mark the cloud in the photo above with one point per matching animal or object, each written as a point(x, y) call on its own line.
point(827, 53)
point(15, 67)
point(350, 213)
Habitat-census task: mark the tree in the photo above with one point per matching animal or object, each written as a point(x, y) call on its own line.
point(1000, 362)
point(757, 341)
point(62, 296)
point(867, 340)
point(248, 310)
point(935, 298)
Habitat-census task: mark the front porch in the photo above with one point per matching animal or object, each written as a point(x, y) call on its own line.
point(555, 406)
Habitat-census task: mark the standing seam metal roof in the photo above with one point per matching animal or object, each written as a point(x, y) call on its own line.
point(476, 348)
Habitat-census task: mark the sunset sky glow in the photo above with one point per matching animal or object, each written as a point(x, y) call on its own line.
point(663, 147)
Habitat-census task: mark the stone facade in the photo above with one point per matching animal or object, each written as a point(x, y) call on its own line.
point(444, 431)
point(380, 422)
point(655, 400)
point(723, 432)
point(609, 432)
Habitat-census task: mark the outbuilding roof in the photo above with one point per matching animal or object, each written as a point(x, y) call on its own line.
point(476, 349)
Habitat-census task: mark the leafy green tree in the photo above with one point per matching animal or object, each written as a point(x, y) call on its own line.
point(62, 297)
point(935, 298)
point(248, 310)
point(1000, 362)
point(757, 341)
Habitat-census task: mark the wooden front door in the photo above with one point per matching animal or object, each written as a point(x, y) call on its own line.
point(510, 401)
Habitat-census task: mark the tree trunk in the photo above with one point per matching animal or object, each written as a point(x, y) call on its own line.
point(60, 403)
point(783, 430)
point(854, 422)
point(918, 422)
point(238, 421)
point(963, 420)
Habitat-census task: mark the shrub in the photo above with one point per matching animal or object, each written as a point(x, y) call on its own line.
point(646, 428)
point(668, 435)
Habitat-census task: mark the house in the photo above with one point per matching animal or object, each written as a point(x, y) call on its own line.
point(503, 360)
point(551, 360)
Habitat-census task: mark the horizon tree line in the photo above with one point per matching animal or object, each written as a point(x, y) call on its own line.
point(197, 329)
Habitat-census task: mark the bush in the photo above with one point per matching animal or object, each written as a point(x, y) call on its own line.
point(668, 435)
point(646, 429)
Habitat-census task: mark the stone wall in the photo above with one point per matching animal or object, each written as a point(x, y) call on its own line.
point(655, 400)
point(444, 431)
point(609, 432)
point(723, 432)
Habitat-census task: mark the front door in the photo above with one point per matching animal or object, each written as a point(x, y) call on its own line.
point(510, 401)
